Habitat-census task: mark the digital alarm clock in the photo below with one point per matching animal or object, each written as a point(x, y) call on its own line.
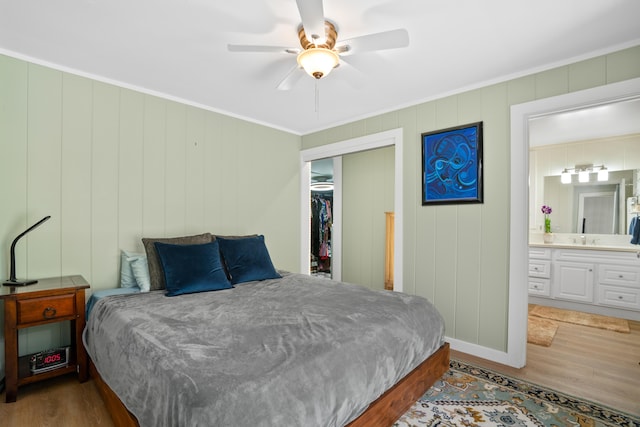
point(49, 359)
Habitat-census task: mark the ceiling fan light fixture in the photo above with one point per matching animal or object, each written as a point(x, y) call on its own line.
point(318, 61)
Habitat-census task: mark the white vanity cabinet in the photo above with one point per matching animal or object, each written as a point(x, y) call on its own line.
point(619, 286)
point(598, 281)
point(539, 271)
point(573, 281)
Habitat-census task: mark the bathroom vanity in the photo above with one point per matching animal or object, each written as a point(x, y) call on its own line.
point(591, 278)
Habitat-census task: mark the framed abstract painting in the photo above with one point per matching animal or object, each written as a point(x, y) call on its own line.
point(452, 165)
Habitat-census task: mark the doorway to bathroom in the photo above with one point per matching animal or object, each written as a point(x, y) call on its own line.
point(521, 210)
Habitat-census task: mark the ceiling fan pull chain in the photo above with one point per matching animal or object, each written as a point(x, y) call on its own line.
point(317, 88)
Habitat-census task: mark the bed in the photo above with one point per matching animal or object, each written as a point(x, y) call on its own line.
point(290, 349)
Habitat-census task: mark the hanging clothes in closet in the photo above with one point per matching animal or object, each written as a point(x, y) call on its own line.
point(321, 221)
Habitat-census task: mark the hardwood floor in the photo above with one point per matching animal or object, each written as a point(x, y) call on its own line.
point(60, 401)
point(598, 365)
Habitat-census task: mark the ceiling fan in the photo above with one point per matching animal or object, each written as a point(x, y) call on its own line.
point(320, 49)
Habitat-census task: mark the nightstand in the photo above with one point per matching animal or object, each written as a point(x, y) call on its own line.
point(51, 300)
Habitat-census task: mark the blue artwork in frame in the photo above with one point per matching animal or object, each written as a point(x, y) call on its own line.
point(452, 165)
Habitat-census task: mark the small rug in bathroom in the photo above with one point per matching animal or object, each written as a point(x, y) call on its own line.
point(541, 331)
point(476, 397)
point(580, 318)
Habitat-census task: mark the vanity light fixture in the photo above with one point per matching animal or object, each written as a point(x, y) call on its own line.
point(583, 172)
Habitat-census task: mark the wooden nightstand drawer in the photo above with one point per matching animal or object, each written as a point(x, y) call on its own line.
point(36, 310)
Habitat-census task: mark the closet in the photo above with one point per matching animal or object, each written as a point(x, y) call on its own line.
point(321, 225)
point(321, 217)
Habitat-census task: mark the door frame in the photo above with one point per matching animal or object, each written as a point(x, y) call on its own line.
point(581, 207)
point(519, 206)
point(388, 138)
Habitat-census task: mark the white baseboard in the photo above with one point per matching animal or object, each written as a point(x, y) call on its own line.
point(479, 351)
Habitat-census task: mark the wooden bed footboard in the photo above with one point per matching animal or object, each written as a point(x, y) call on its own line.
point(384, 411)
point(381, 413)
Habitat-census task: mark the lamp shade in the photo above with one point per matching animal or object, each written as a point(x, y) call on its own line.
point(565, 177)
point(317, 61)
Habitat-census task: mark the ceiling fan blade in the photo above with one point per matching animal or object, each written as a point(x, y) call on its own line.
point(371, 42)
point(290, 79)
point(261, 49)
point(312, 16)
point(353, 76)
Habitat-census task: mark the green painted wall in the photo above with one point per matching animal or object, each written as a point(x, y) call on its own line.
point(458, 256)
point(111, 165)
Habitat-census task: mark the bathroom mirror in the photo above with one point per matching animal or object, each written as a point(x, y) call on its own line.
point(600, 135)
point(596, 207)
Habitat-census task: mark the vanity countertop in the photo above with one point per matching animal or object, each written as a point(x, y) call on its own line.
point(592, 247)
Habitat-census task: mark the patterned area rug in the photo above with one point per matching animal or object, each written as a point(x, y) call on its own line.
point(476, 397)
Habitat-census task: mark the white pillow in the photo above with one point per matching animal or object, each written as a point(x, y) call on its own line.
point(127, 279)
point(141, 273)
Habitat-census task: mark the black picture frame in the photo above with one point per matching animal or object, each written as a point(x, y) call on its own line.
point(452, 168)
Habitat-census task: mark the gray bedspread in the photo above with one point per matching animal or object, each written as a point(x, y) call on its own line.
point(296, 351)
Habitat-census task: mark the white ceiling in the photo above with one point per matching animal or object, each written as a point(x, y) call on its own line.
point(178, 49)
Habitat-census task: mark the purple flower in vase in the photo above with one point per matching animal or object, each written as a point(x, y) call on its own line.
point(546, 210)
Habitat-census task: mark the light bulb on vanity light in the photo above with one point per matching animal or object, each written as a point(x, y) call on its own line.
point(603, 174)
point(583, 176)
point(565, 177)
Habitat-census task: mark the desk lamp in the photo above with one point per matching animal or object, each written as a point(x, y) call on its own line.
point(12, 277)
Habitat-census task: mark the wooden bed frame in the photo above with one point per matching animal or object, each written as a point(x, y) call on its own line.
point(381, 413)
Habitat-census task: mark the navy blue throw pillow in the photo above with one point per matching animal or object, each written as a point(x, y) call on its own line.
point(247, 259)
point(192, 268)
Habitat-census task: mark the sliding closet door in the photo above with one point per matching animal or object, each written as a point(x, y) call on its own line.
point(368, 192)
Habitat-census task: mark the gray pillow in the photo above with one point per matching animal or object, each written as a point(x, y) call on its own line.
point(222, 236)
point(156, 274)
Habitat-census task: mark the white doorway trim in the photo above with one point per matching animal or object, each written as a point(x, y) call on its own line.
point(519, 236)
point(368, 142)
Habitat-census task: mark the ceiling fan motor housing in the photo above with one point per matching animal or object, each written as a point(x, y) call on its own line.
point(330, 32)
